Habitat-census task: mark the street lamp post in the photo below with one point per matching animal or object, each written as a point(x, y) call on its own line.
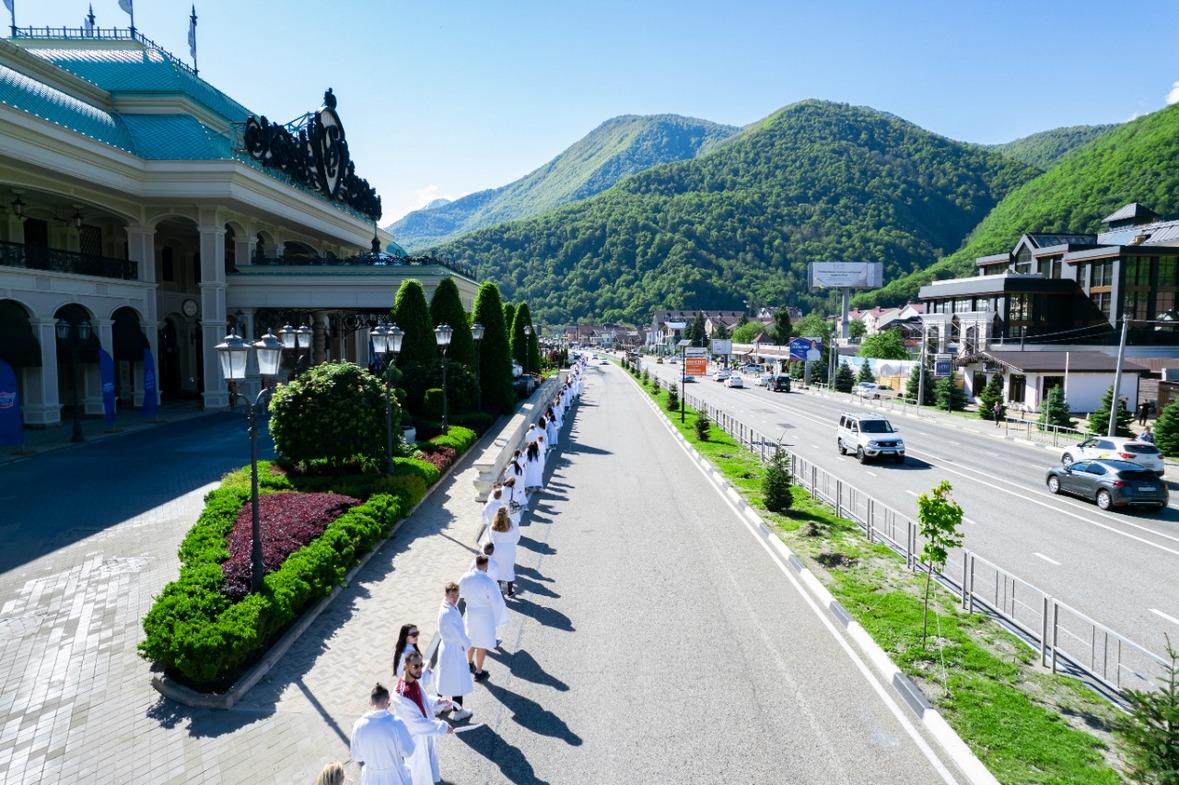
point(234, 352)
point(477, 331)
point(442, 335)
point(527, 347)
point(74, 337)
point(683, 375)
point(297, 339)
point(387, 343)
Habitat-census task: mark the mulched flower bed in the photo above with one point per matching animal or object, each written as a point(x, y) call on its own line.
point(287, 522)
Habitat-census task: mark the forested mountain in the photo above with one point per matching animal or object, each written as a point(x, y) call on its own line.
point(1044, 149)
point(815, 181)
point(616, 149)
point(1136, 162)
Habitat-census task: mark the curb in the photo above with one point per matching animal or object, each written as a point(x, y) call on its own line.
point(902, 686)
point(187, 696)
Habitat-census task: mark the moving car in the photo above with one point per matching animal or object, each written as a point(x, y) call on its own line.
point(734, 381)
point(872, 390)
point(763, 379)
point(689, 378)
point(1110, 483)
point(869, 436)
point(721, 375)
point(780, 384)
point(1117, 448)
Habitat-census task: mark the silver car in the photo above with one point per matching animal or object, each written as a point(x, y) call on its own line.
point(1110, 484)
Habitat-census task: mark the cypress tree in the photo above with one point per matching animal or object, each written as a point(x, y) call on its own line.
point(495, 359)
point(447, 308)
point(412, 315)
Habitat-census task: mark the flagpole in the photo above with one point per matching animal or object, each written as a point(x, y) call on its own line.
point(192, 25)
point(12, 10)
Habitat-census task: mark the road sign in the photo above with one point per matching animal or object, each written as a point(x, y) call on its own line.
point(696, 366)
point(943, 365)
point(695, 351)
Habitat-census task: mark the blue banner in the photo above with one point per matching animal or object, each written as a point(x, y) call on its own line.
point(106, 374)
point(151, 393)
point(11, 428)
point(801, 347)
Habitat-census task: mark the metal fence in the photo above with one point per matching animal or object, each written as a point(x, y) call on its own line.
point(1067, 639)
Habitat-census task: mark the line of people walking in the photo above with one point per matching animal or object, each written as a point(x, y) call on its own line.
point(396, 742)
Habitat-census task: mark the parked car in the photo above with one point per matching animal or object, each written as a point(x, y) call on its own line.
point(763, 379)
point(734, 381)
point(689, 378)
point(869, 436)
point(721, 375)
point(872, 390)
point(1118, 448)
point(780, 384)
point(1110, 483)
point(753, 368)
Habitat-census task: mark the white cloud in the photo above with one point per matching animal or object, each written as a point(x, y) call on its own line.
point(1173, 96)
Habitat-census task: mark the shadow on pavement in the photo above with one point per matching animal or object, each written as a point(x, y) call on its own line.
point(546, 616)
point(511, 762)
point(524, 666)
point(531, 715)
point(529, 544)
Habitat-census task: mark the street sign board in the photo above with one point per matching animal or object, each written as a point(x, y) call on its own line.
point(802, 348)
point(722, 346)
point(695, 351)
point(943, 365)
point(696, 366)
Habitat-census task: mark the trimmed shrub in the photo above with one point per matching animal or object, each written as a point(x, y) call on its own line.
point(478, 422)
point(776, 482)
point(432, 404)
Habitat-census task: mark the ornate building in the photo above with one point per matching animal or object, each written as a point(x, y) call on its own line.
point(139, 200)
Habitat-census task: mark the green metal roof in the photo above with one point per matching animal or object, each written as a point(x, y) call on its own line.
point(176, 138)
point(134, 68)
point(41, 100)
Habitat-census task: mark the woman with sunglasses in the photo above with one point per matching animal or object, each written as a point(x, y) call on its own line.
point(407, 641)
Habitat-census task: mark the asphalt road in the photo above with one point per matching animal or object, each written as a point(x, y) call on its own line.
point(1116, 567)
point(658, 641)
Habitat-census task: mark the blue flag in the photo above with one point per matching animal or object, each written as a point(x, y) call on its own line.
point(151, 394)
point(11, 428)
point(106, 374)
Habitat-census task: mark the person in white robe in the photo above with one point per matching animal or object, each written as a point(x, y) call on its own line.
point(381, 744)
point(494, 502)
point(413, 705)
point(533, 467)
point(454, 677)
point(488, 551)
point(505, 536)
point(515, 498)
point(486, 610)
point(551, 432)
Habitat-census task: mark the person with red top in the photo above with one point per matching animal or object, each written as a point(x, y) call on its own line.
point(416, 709)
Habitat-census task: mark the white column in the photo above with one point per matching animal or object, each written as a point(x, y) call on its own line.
point(92, 392)
point(214, 324)
point(42, 406)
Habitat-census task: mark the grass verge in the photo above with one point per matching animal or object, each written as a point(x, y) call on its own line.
point(1023, 723)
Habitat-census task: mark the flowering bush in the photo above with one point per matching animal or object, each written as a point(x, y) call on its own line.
point(286, 522)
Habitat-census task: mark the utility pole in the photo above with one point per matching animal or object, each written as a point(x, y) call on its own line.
point(1116, 401)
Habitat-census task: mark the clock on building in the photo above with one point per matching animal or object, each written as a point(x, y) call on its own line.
point(190, 308)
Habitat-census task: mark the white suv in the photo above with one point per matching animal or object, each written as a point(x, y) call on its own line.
point(1119, 448)
point(869, 436)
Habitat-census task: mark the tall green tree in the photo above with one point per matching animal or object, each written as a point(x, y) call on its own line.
point(991, 394)
point(856, 328)
point(510, 319)
point(1166, 429)
point(719, 331)
point(929, 398)
point(525, 347)
point(696, 331)
point(1099, 419)
point(886, 345)
point(447, 308)
point(844, 378)
point(782, 329)
point(495, 354)
point(412, 315)
point(949, 396)
point(1055, 410)
point(865, 373)
point(748, 332)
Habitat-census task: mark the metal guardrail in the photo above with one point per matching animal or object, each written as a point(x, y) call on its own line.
point(1066, 638)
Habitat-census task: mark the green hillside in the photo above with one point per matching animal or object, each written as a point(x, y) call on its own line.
point(816, 181)
point(1136, 162)
point(1045, 149)
point(616, 149)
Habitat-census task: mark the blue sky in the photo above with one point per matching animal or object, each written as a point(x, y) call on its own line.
point(449, 97)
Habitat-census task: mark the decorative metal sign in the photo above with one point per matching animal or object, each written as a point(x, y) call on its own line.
point(315, 156)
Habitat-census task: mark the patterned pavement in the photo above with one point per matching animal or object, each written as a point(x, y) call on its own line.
point(90, 536)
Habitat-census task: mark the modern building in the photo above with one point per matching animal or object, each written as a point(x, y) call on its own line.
point(1066, 295)
point(143, 203)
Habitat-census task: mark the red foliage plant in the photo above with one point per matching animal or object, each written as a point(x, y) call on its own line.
point(439, 455)
point(287, 522)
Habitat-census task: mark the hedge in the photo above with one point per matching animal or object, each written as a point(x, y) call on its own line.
point(204, 640)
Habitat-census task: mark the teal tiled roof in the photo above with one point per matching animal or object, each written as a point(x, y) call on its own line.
point(176, 138)
point(41, 100)
point(139, 69)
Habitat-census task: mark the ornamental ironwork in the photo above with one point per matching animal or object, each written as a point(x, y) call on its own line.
point(313, 152)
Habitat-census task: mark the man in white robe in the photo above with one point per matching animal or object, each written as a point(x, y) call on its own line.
point(486, 610)
point(381, 744)
point(454, 676)
point(416, 709)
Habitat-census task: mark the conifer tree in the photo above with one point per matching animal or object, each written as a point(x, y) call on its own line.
point(844, 378)
point(495, 359)
point(412, 315)
point(775, 483)
point(1151, 728)
point(991, 394)
point(865, 373)
point(1055, 410)
point(949, 396)
point(1166, 429)
point(782, 327)
point(446, 307)
point(1099, 418)
point(914, 382)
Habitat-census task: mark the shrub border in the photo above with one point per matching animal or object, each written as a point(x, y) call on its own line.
point(174, 690)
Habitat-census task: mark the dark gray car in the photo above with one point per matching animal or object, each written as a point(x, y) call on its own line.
point(1110, 484)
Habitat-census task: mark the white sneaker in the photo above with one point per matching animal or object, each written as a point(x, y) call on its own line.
point(460, 714)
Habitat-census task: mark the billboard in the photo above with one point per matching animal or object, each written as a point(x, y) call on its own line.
point(720, 346)
point(802, 348)
point(696, 366)
point(943, 365)
point(846, 275)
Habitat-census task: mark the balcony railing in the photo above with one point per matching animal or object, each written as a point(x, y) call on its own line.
point(35, 257)
point(364, 260)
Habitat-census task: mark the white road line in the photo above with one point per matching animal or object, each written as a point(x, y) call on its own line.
point(1045, 558)
point(871, 474)
point(971, 521)
point(911, 493)
point(1171, 619)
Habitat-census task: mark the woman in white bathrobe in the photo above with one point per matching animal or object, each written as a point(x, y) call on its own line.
point(514, 498)
point(551, 431)
point(504, 535)
point(494, 502)
point(533, 467)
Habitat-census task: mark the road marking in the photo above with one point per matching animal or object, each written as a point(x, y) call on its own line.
point(1045, 558)
point(871, 474)
point(1171, 619)
point(911, 493)
point(971, 521)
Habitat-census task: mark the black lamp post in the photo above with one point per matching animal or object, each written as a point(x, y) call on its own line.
point(683, 375)
point(74, 337)
point(477, 331)
point(527, 346)
point(442, 335)
point(387, 343)
point(234, 353)
point(297, 339)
